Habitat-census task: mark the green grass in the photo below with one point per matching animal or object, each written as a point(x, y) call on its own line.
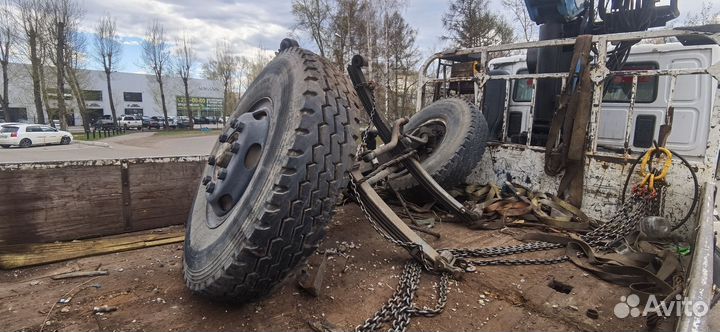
point(186, 133)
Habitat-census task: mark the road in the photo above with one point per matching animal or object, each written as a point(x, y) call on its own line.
point(143, 144)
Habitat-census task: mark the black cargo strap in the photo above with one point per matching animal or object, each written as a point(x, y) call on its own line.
point(633, 269)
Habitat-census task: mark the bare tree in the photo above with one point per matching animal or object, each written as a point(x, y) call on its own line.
point(522, 18)
point(401, 59)
point(252, 66)
point(63, 20)
point(223, 66)
point(708, 14)
point(348, 25)
point(8, 39)
point(184, 62)
point(470, 24)
point(313, 16)
point(107, 53)
point(74, 61)
point(156, 57)
point(32, 15)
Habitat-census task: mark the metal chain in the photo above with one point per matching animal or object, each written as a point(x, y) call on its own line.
point(400, 307)
point(398, 310)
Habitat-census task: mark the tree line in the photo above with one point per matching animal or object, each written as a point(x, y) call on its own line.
point(45, 34)
point(378, 30)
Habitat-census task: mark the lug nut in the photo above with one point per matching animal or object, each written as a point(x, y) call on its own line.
point(206, 179)
point(210, 187)
point(211, 160)
point(239, 126)
point(223, 138)
point(223, 174)
point(235, 148)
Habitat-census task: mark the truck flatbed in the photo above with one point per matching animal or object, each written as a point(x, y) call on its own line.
point(147, 288)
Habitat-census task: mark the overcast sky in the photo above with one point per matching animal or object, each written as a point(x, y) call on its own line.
point(251, 26)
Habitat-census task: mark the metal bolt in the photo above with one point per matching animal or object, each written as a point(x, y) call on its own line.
point(223, 138)
point(206, 179)
point(240, 126)
point(235, 148)
point(210, 187)
point(211, 160)
point(223, 174)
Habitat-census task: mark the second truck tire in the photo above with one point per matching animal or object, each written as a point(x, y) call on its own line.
point(460, 138)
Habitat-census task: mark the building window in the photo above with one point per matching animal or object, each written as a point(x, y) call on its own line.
point(132, 96)
point(52, 94)
point(134, 111)
point(14, 114)
point(92, 95)
point(619, 87)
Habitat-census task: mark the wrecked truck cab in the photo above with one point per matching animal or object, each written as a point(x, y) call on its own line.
point(666, 93)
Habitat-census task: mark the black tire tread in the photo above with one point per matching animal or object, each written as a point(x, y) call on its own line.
point(463, 160)
point(303, 197)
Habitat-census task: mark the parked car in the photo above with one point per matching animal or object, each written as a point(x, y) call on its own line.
point(145, 121)
point(170, 122)
point(105, 122)
point(183, 121)
point(26, 135)
point(129, 121)
point(215, 120)
point(155, 122)
point(201, 120)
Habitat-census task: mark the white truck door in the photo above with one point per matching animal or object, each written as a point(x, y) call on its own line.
point(692, 99)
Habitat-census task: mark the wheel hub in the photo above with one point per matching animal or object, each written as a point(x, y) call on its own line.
point(234, 162)
point(435, 131)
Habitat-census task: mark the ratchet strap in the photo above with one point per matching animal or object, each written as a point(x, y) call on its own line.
point(645, 273)
point(515, 205)
point(565, 147)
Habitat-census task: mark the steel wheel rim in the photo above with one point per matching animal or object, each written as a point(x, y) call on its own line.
point(235, 160)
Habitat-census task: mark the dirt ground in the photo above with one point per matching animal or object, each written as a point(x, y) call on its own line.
point(147, 288)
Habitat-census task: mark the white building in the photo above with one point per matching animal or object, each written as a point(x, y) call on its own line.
point(136, 94)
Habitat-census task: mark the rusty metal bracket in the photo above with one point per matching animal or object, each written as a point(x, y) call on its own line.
point(412, 165)
point(400, 148)
point(392, 225)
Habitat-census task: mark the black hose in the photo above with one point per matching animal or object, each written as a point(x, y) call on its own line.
point(696, 195)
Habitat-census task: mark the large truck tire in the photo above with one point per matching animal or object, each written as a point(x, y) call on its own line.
point(272, 180)
point(460, 135)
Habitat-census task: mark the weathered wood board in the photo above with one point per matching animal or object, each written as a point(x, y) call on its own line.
point(60, 201)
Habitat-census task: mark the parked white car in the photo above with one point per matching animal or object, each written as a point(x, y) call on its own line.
point(129, 121)
point(26, 135)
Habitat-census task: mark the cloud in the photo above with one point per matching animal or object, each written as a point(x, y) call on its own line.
point(247, 26)
point(130, 41)
point(252, 26)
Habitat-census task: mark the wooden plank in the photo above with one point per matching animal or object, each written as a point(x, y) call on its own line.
point(60, 201)
point(14, 256)
point(45, 205)
point(158, 201)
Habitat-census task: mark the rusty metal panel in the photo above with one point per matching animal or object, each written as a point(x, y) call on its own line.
point(60, 201)
point(604, 179)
